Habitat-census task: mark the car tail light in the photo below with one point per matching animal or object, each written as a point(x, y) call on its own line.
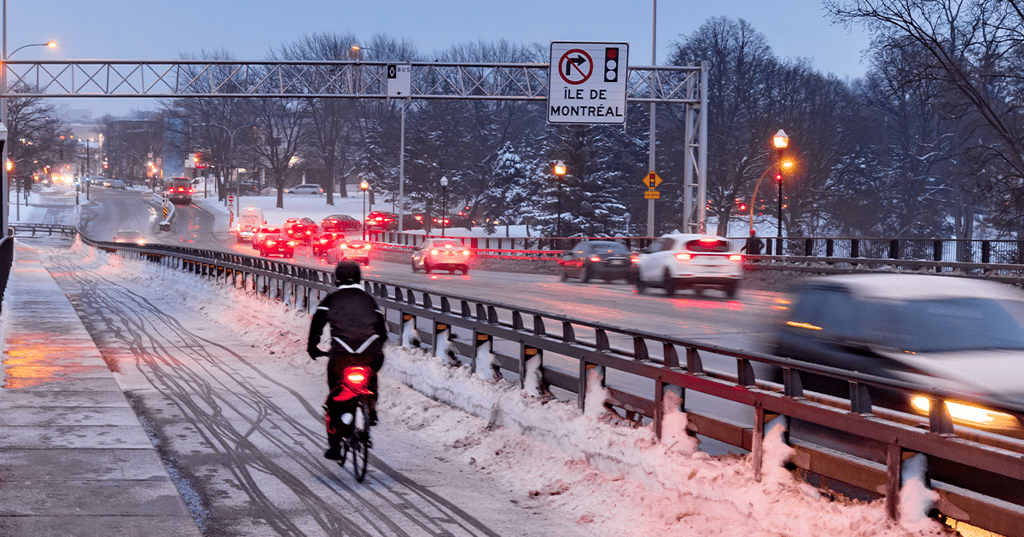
point(595, 259)
point(434, 251)
point(684, 257)
point(708, 240)
point(735, 257)
point(465, 253)
point(271, 242)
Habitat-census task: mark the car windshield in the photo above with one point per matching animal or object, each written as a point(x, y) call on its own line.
point(609, 248)
point(446, 244)
point(943, 325)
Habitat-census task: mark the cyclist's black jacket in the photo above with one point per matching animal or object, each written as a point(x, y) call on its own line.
point(357, 325)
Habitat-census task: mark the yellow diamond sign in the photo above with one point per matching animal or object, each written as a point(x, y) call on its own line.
point(651, 180)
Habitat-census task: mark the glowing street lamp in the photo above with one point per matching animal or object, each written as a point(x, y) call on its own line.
point(444, 203)
point(781, 142)
point(363, 185)
point(559, 170)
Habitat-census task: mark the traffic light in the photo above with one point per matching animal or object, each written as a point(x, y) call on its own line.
point(778, 178)
point(611, 64)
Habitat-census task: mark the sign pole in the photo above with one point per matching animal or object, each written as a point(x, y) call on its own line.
point(651, 164)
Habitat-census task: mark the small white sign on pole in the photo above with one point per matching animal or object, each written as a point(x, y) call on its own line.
point(587, 83)
point(399, 80)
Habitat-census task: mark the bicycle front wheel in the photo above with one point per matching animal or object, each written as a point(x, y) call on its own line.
point(360, 440)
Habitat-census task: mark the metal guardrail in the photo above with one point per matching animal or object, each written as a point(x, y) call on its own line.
point(673, 365)
point(35, 230)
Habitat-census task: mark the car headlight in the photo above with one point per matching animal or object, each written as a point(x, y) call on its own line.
point(968, 414)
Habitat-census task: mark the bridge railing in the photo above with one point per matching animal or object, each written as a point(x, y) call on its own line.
point(520, 338)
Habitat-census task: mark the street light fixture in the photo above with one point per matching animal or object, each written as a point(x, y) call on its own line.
point(364, 185)
point(444, 203)
point(559, 170)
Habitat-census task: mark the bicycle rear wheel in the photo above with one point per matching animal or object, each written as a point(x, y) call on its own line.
point(360, 440)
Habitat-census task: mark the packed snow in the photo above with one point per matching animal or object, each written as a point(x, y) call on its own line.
point(605, 476)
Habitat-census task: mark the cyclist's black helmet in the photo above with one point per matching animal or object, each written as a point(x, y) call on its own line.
point(346, 273)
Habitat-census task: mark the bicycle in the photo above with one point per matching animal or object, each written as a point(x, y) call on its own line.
point(353, 401)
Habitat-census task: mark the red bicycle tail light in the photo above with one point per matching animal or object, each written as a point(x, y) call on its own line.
point(357, 375)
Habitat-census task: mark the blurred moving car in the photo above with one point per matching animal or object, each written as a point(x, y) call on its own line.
point(249, 222)
point(278, 245)
point(305, 188)
point(339, 223)
point(262, 233)
point(130, 237)
point(381, 221)
point(301, 229)
point(323, 244)
point(689, 261)
point(114, 183)
point(937, 331)
point(179, 190)
point(605, 260)
point(356, 250)
point(443, 254)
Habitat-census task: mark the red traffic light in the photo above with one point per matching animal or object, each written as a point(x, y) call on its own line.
point(778, 177)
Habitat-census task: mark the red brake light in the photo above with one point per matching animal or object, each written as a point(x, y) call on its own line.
point(357, 376)
point(708, 240)
point(735, 257)
point(595, 259)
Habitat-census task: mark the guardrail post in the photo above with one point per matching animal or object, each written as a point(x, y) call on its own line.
point(585, 370)
point(986, 251)
point(854, 247)
point(442, 343)
point(808, 247)
point(761, 418)
point(894, 249)
point(895, 457)
point(937, 253)
point(660, 389)
point(830, 248)
point(531, 370)
point(485, 355)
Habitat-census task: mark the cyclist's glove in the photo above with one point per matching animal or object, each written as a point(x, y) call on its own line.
point(315, 352)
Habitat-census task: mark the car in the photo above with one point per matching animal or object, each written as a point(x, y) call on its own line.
point(249, 222)
point(443, 254)
point(129, 237)
point(605, 260)
point(301, 229)
point(262, 233)
point(689, 261)
point(323, 244)
point(305, 189)
point(352, 249)
point(960, 334)
point(281, 245)
point(340, 223)
point(114, 183)
point(381, 221)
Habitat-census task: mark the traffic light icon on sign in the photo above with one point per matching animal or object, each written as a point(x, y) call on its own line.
point(611, 64)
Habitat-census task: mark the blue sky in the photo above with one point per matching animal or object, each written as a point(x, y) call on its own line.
point(151, 30)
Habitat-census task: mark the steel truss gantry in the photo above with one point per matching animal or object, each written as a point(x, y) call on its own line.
point(161, 79)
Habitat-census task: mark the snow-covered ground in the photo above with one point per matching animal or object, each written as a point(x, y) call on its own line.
point(608, 478)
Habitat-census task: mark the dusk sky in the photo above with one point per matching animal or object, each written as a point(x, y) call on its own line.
point(150, 30)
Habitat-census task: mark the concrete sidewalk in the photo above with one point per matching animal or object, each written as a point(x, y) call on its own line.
point(74, 458)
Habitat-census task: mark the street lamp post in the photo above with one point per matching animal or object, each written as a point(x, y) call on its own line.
point(4, 56)
point(444, 204)
point(780, 141)
point(559, 170)
point(363, 185)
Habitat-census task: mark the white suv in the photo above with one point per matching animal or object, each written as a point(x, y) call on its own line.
point(689, 261)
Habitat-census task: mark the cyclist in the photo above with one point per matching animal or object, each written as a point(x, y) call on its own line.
point(358, 333)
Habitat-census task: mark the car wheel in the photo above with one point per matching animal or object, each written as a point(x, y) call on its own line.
point(730, 289)
point(668, 283)
point(465, 271)
point(426, 267)
point(565, 274)
point(413, 263)
point(588, 273)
